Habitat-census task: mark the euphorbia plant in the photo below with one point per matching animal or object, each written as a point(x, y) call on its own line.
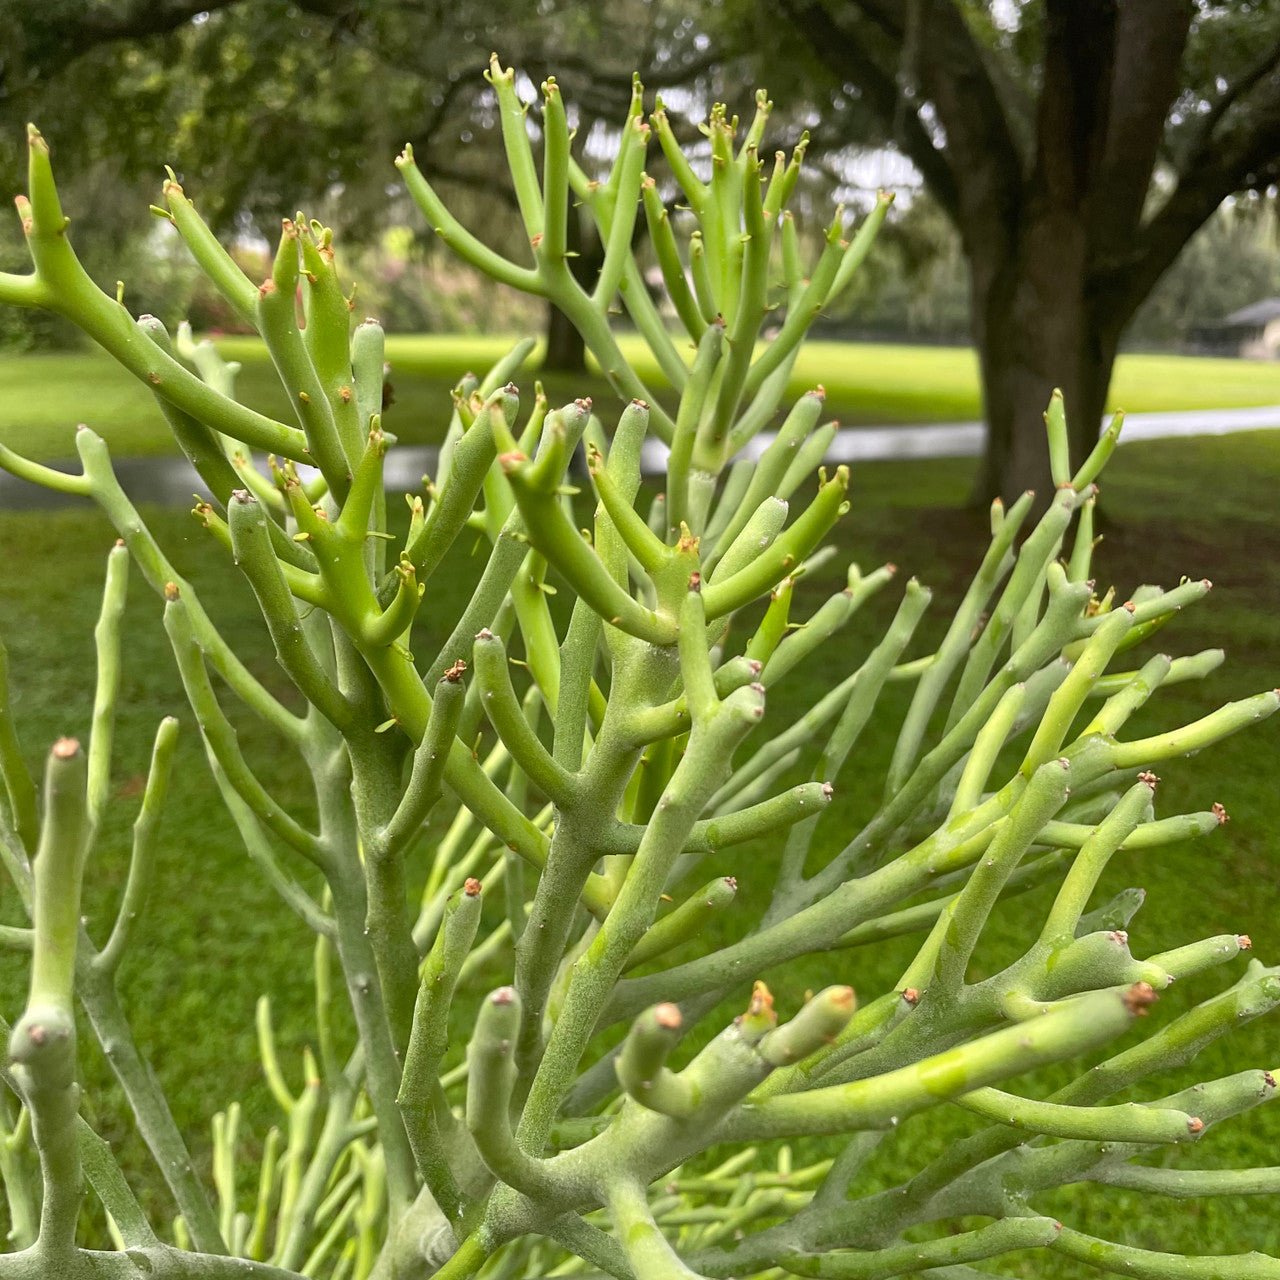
point(579, 1132)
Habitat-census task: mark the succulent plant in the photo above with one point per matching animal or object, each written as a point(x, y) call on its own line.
point(582, 1131)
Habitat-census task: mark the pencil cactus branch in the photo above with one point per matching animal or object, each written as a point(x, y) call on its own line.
point(142, 859)
point(42, 1044)
point(597, 1078)
point(419, 1096)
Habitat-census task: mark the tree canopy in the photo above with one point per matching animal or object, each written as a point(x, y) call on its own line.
point(1075, 145)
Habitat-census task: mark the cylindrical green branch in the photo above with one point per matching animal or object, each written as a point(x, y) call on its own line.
point(641, 1065)
point(42, 1045)
point(650, 692)
point(142, 860)
point(58, 877)
point(420, 1096)
point(1074, 1028)
point(490, 1079)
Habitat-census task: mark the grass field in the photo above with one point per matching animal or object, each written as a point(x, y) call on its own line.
point(44, 396)
point(215, 937)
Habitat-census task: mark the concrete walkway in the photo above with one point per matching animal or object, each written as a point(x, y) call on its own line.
point(965, 439)
point(171, 480)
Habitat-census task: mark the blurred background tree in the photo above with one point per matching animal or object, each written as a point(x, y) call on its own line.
point(1057, 155)
point(1075, 145)
point(259, 106)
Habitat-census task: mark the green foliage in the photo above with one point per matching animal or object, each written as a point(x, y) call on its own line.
point(916, 284)
point(576, 827)
point(1230, 263)
point(264, 106)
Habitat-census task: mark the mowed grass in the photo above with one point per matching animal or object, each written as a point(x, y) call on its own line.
point(44, 396)
point(214, 937)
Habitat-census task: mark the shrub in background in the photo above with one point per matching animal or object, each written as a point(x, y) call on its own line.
point(571, 1137)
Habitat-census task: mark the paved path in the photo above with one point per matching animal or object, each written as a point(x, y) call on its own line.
point(965, 439)
point(171, 480)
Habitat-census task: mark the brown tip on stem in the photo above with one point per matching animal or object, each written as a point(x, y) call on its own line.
point(1139, 998)
point(454, 673)
point(1195, 1125)
point(170, 590)
point(761, 1000)
point(503, 996)
point(668, 1016)
point(584, 403)
point(242, 495)
point(695, 581)
point(1219, 811)
point(119, 542)
point(1206, 584)
point(732, 882)
point(640, 404)
point(891, 568)
point(1149, 778)
point(472, 887)
point(65, 748)
point(1244, 942)
point(484, 634)
point(828, 790)
point(1268, 1079)
point(756, 687)
point(911, 995)
point(1128, 604)
point(842, 997)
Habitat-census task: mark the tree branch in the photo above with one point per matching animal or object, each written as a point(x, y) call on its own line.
point(840, 48)
point(1242, 153)
point(1266, 63)
point(62, 34)
point(1150, 40)
point(956, 81)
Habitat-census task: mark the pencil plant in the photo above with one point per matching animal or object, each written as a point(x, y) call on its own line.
point(560, 779)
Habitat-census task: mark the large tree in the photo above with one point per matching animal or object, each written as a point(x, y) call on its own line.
point(1077, 145)
point(261, 104)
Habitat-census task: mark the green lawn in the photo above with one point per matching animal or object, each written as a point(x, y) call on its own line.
point(215, 937)
point(44, 396)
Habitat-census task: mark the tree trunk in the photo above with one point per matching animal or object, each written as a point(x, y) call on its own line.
point(1036, 328)
point(566, 351)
